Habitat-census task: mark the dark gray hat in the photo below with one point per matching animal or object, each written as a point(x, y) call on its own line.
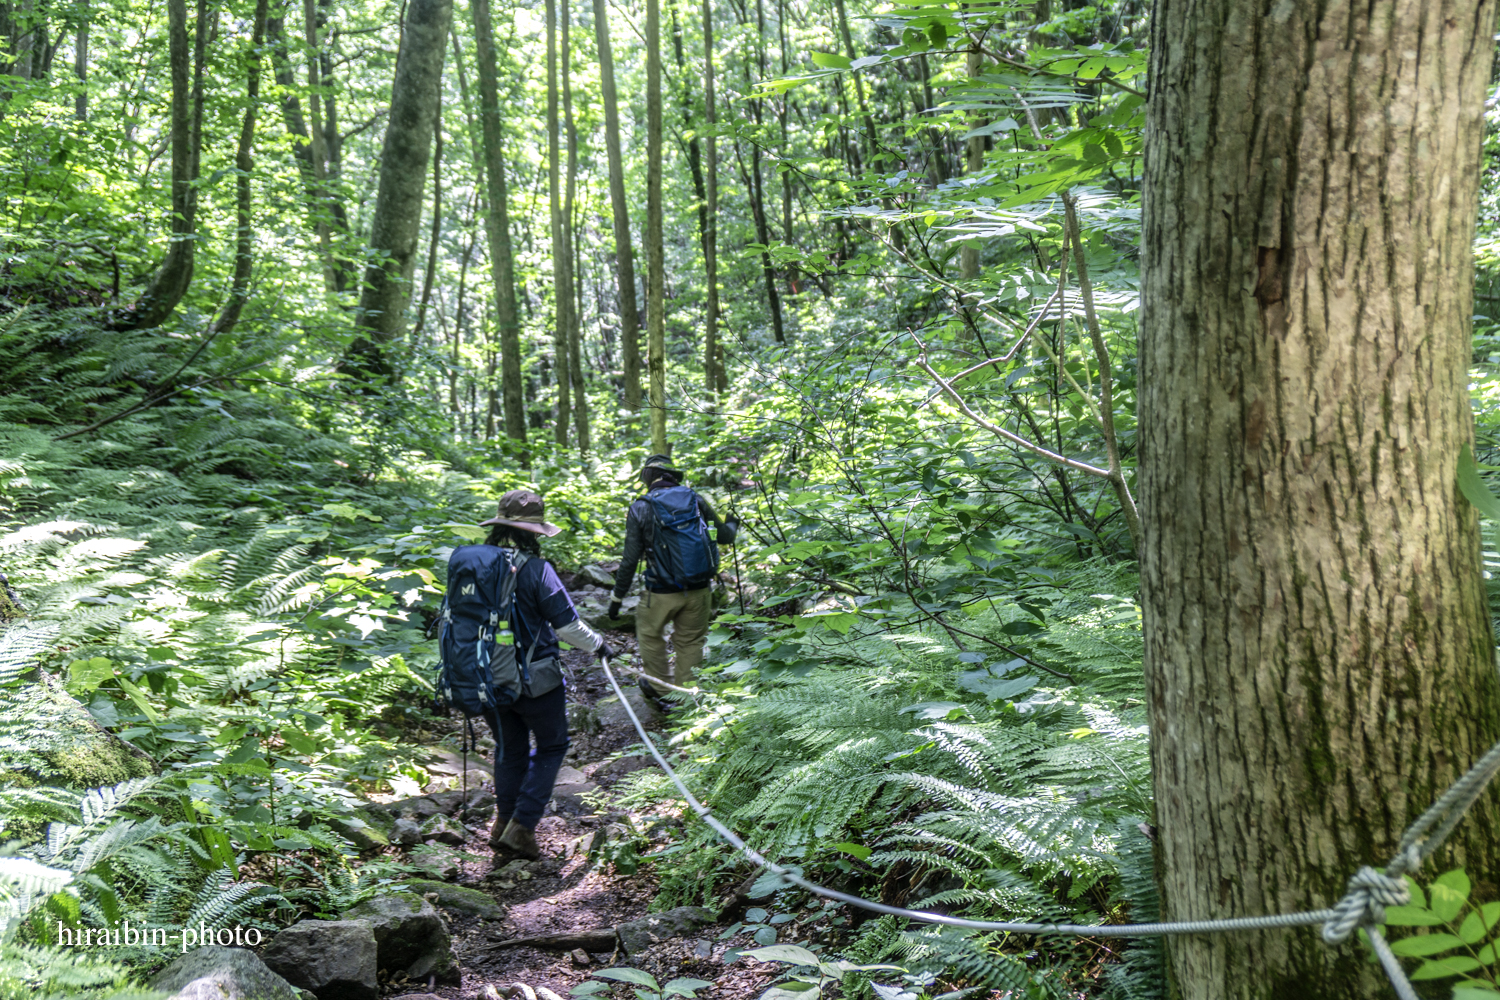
point(661, 463)
point(525, 510)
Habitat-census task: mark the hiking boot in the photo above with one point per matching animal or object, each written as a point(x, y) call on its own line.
point(661, 704)
point(518, 840)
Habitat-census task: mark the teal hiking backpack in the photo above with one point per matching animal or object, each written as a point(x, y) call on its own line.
point(479, 666)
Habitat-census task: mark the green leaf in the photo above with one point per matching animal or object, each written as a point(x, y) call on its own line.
point(795, 954)
point(830, 60)
point(793, 991)
point(1474, 488)
point(1479, 923)
point(1441, 968)
point(629, 976)
point(684, 986)
point(1448, 898)
point(1426, 944)
point(859, 851)
point(756, 915)
point(588, 989)
point(764, 935)
point(1467, 991)
point(1412, 916)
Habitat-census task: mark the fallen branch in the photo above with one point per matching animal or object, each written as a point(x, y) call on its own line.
point(598, 939)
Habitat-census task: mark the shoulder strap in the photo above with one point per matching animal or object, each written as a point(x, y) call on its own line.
point(510, 594)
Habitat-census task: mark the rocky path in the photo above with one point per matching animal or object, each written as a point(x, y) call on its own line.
point(490, 904)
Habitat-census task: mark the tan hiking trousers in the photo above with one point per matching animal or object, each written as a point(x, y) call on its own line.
point(689, 614)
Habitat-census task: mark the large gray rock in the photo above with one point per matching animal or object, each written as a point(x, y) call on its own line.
point(638, 935)
point(596, 575)
point(611, 714)
point(459, 899)
point(621, 766)
point(334, 959)
point(419, 807)
point(407, 832)
point(215, 973)
point(410, 934)
point(365, 829)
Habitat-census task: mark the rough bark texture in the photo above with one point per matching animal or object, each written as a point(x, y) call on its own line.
point(497, 224)
point(395, 228)
point(656, 316)
point(1318, 654)
point(630, 317)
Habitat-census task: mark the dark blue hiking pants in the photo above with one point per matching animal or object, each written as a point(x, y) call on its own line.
point(524, 777)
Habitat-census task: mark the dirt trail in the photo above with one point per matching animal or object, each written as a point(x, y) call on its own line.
point(563, 892)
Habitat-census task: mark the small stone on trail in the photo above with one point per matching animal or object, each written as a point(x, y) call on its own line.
point(417, 996)
point(445, 831)
point(580, 957)
point(703, 949)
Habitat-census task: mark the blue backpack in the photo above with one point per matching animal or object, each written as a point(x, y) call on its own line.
point(682, 555)
point(478, 666)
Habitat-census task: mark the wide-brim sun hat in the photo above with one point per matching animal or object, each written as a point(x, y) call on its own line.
point(525, 510)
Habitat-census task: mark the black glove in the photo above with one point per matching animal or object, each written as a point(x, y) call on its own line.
point(614, 610)
point(728, 531)
point(606, 651)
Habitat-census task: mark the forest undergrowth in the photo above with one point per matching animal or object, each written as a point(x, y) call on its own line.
point(236, 583)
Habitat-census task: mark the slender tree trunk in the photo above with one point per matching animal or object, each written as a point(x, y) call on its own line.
point(318, 145)
point(713, 375)
point(81, 69)
point(792, 280)
point(656, 316)
point(968, 256)
point(756, 189)
point(437, 228)
point(497, 224)
point(1319, 661)
point(395, 227)
point(574, 332)
point(685, 104)
point(244, 162)
point(562, 271)
point(630, 319)
point(185, 60)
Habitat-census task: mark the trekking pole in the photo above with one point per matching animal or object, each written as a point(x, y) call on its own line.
point(739, 584)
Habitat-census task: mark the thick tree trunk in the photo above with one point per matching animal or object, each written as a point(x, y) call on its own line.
point(712, 372)
point(1318, 653)
point(185, 61)
point(395, 228)
point(630, 317)
point(244, 162)
point(562, 272)
point(574, 332)
point(497, 224)
point(656, 316)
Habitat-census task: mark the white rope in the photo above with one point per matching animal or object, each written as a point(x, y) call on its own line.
point(1369, 891)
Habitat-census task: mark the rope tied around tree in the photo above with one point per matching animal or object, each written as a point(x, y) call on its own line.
point(1369, 891)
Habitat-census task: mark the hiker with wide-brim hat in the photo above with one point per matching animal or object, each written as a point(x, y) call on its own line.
point(669, 527)
point(523, 777)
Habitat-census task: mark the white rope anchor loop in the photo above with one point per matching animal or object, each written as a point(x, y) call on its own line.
point(1370, 892)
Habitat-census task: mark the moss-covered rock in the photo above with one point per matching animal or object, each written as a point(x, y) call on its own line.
point(459, 899)
point(55, 740)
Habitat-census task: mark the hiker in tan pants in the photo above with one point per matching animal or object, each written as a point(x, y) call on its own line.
point(669, 527)
point(689, 614)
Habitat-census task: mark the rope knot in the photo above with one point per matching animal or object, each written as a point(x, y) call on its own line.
point(1369, 893)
